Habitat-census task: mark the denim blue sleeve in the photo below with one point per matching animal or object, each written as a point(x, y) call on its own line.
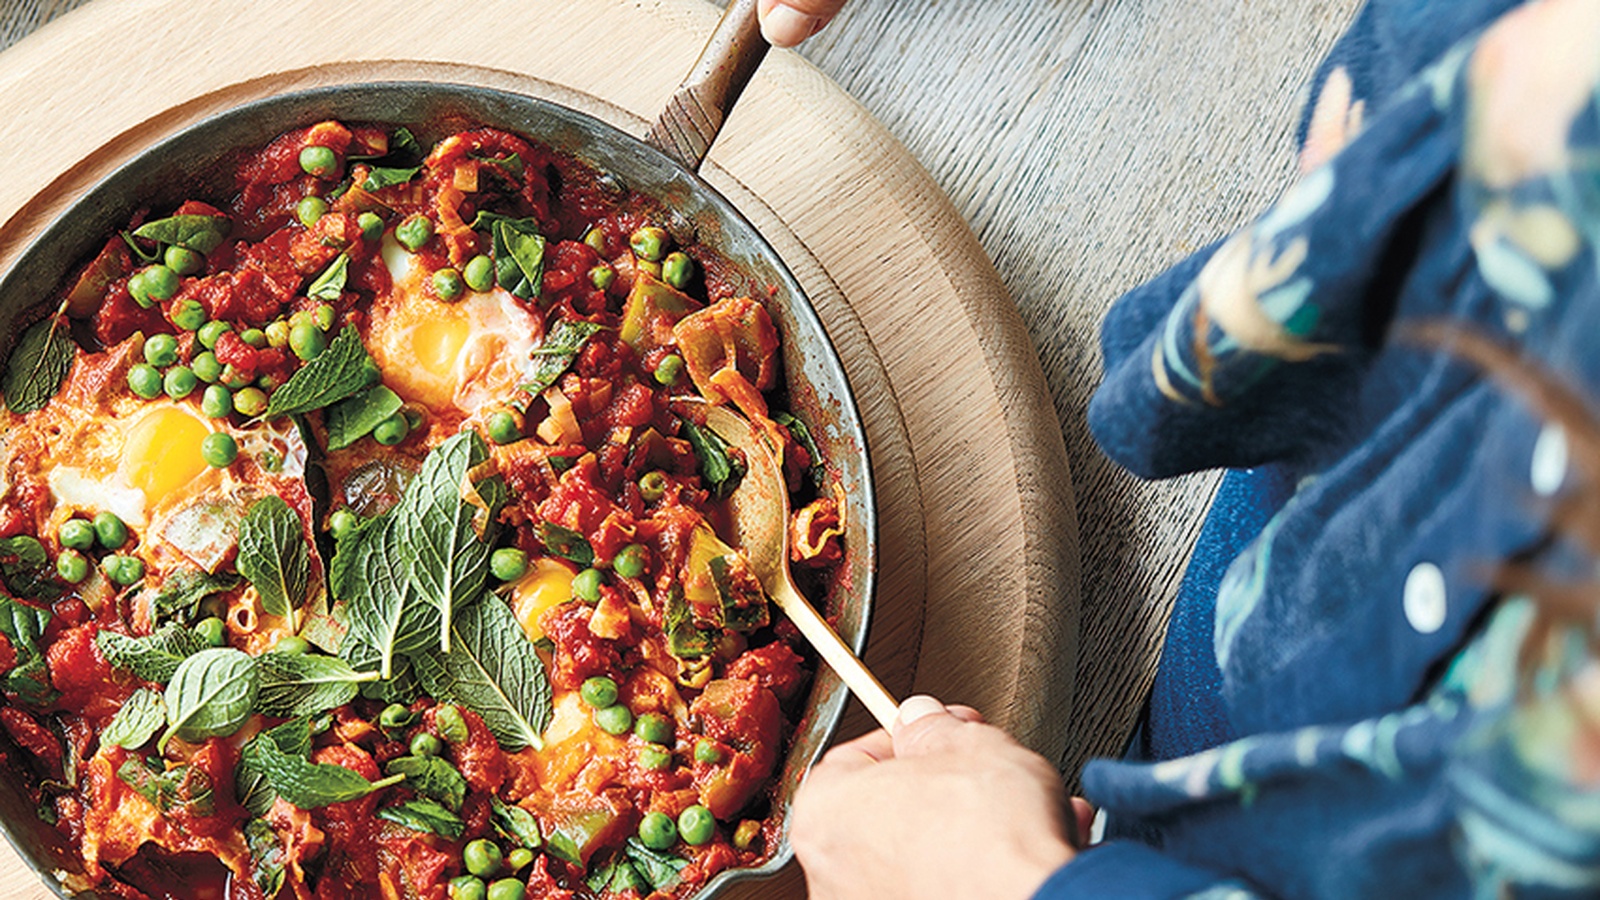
point(1127, 870)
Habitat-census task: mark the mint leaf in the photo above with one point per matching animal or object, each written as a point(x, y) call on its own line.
point(187, 787)
point(274, 556)
point(387, 176)
point(401, 686)
point(251, 786)
point(340, 371)
point(493, 670)
point(330, 284)
point(386, 613)
point(660, 869)
point(211, 694)
point(432, 777)
point(154, 657)
point(565, 543)
point(515, 823)
point(801, 433)
point(299, 684)
point(26, 568)
point(306, 784)
point(353, 418)
point(181, 593)
point(38, 365)
point(137, 721)
point(23, 626)
point(201, 234)
point(268, 859)
point(557, 351)
point(720, 469)
point(518, 253)
point(424, 815)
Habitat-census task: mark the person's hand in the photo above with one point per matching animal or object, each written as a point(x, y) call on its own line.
point(785, 23)
point(948, 807)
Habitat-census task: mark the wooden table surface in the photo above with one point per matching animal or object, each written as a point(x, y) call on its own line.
point(1088, 144)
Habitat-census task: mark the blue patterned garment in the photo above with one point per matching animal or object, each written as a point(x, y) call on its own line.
point(1352, 721)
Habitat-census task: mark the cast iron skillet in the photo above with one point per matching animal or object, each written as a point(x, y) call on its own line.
point(663, 167)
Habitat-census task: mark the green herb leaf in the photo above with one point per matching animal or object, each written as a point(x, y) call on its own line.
point(720, 469)
point(38, 365)
point(518, 252)
point(386, 613)
point(424, 815)
point(387, 176)
point(557, 351)
point(23, 625)
point(26, 568)
point(299, 684)
point(154, 657)
point(565, 543)
point(201, 234)
point(187, 787)
point(273, 554)
point(268, 859)
point(493, 670)
point(180, 594)
point(255, 793)
point(818, 472)
point(617, 876)
point(353, 418)
point(330, 284)
point(660, 869)
point(211, 694)
point(339, 372)
point(432, 777)
point(516, 824)
point(310, 785)
point(137, 721)
point(401, 686)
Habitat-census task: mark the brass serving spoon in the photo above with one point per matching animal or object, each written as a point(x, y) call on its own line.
point(760, 507)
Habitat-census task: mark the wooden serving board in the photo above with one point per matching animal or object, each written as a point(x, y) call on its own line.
point(978, 582)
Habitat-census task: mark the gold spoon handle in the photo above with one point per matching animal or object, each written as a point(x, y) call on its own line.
point(852, 671)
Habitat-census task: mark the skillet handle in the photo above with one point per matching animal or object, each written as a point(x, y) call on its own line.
point(696, 111)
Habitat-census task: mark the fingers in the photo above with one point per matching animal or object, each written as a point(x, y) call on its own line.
point(1083, 820)
point(872, 747)
point(924, 725)
point(785, 23)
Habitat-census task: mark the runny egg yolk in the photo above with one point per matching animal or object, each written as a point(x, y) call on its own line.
point(436, 344)
point(161, 452)
point(548, 583)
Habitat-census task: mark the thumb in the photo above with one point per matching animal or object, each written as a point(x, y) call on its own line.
point(785, 23)
point(922, 725)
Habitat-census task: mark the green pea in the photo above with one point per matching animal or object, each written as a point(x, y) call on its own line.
point(72, 566)
point(669, 370)
point(598, 691)
point(324, 316)
point(110, 530)
point(503, 428)
point(706, 751)
point(253, 337)
point(232, 378)
point(614, 719)
point(595, 237)
point(413, 416)
point(653, 486)
point(658, 831)
point(507, 889)
point(188, 314)
point(425, 744)
point(139, 290)
point(210, 332)
point(677, 269)
point(219, 449)
point(653, 727)
point(310, 209)
point(161, 350)
point(269, 460)
point(216, 402)
point(306, 340)
point(212, 631)
point(182, 260)
point(144, 380)
point(414, 232)
point(649, 243)
point(342, 523)
point(76, 534)
point(392, 430)
point(292, 644)
point(319, 161)
point(479, 273)
point(371, 225)
point(277, 333)
point(123, 570)
point(395, 716)
point(630, 561)
point(448, 285)
point(206, 367)
point(602, 276)
point(160, 282)
point(586, 587)
point(654, 758)
point(179, 382)
point(518, 859)
point(250, 401)
point(696, 825)
point(467, 887)
point(508, 563)
point(451, 725)
point(482, 857)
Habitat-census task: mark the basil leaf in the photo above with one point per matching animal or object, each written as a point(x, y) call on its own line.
point(251, 786)
point(557, 351)
point(137, 721)
point(268, 859)
point(353, 418)
point(565, 543)
point(424, 815)
point(23, 626)
point(720, 469)
point(274, 556)
point(387, 176)
point(431, 777)
point(386, 613)
point(515, 823)
point(660, 869)
point(188, 787)
point(182, 592)
point(310, 785)
point(298, 684)
point(38, 365)
point(493, 670)
point(330, 284)
point(201, 234)
point(518, 252)
point(26, 568)
point(211, 694)
point(154, 657)
point(340, 371)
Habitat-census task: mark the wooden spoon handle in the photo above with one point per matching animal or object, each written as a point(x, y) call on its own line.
point(695, 112)
point(852, 671)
